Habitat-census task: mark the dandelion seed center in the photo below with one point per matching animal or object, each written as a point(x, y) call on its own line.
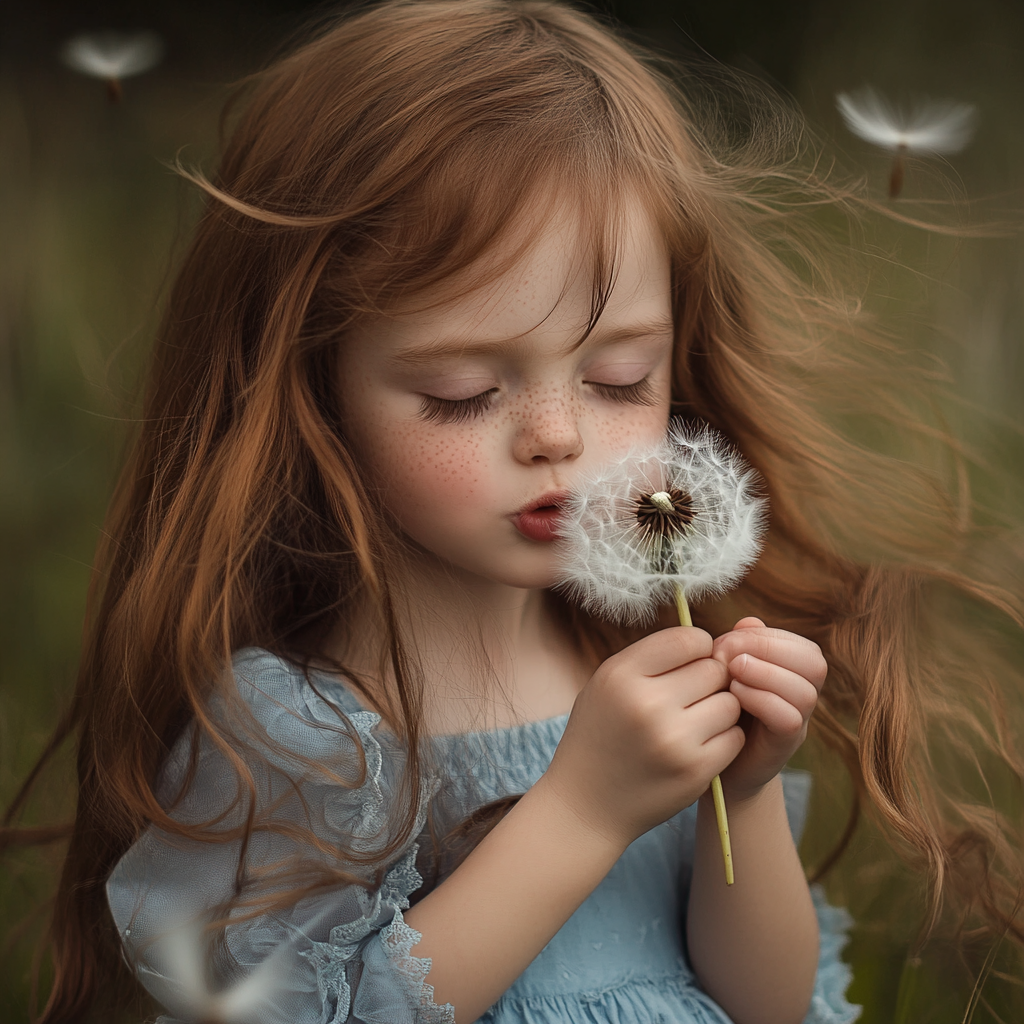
point(664, 513)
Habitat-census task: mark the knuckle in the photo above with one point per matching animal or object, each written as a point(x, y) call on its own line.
point(771, 649)
point(795, 736)
point(606, 672)
point(731, 703)
point(734, 644)
point(790, 726)
point(706, 677)
point(723, 704)
point(721, 673)
point(697, 642)
point(650, 707)
point(666, 748)
point(808, 702)
point(725, 645)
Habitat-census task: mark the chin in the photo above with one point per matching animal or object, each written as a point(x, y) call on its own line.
point(540, 575)
point(526, 577)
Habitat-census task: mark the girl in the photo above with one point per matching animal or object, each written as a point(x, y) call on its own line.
point(343, 754)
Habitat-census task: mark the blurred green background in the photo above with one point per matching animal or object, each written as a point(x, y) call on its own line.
point(90, 219)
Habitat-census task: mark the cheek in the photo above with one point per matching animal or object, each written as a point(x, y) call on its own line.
point(622, 427)
point(402, 457)
point(424, 471)
point(634, 425)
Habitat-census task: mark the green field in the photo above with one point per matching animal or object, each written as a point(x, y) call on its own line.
point(91, 216)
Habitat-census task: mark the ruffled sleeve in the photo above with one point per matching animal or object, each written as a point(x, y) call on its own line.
point(828, 1003)
point(341, 955)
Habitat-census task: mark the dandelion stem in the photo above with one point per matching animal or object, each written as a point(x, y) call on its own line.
point(716, 783)
point(682, 608)
point(723, 827)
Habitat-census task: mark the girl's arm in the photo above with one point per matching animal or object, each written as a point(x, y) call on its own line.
point(645, 737)
point(485, 924)
point(753, 945)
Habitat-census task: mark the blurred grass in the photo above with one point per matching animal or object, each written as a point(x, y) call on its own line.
point(89, 215)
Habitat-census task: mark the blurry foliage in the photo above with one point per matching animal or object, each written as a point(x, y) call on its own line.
point(90, 217)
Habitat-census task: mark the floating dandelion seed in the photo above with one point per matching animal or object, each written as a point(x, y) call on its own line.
point(182, 953)
point(932, 127)
point(675, 522)
point(112, 56)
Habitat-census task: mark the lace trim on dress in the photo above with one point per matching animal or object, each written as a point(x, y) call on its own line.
point(332, 959)
point(829, 1004)
point(398, 939)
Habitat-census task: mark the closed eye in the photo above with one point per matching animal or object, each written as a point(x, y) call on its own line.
point(640, 393)
point(455, 410)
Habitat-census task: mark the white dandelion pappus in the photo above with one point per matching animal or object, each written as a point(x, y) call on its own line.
point(180, 982)
point(933, 126)
point(112, 56)
point(617, 566)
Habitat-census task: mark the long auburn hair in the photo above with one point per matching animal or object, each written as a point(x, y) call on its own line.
point(391, 151)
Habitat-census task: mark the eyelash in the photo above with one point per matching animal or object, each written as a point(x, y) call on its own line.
point(640, 393)
point(461, 410)
point(455, 410)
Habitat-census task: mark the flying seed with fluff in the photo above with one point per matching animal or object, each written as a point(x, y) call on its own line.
point(177, 976)
point(113, 56)
point(932, 127)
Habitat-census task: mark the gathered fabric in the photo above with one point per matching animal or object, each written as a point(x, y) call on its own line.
point(345, 955)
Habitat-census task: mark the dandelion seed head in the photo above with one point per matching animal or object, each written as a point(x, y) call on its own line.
point(685, 512)
point(933, 126)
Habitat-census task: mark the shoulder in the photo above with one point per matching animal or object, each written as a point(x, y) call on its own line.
point(304, 735)
point(266, 720)
point(313, 715)
point(292, 747)
point(260, 676)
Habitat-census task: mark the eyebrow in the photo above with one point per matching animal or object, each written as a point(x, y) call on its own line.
point(450, 348)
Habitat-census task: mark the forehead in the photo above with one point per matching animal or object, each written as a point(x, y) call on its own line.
point(541, 280)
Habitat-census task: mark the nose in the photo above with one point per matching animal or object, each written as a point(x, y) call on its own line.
point(548, 431)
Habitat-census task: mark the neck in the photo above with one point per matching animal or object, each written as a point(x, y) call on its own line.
point(489, 654)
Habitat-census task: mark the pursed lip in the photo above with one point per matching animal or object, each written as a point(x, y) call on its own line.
point(538, 520)
point(553, 499)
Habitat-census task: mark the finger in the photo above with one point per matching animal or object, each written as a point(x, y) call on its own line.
point(721, 750)
point(750, 622)
point(694, 682)
point(778, 716)
point(762, 675)
point(669, 649)
point(777, 646)
point(713, 715)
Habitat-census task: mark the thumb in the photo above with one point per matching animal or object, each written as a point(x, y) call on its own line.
point(750, 622)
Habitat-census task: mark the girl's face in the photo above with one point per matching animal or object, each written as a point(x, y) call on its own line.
point(474, 418)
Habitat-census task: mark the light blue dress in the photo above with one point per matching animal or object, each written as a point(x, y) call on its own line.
point(345, 954)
